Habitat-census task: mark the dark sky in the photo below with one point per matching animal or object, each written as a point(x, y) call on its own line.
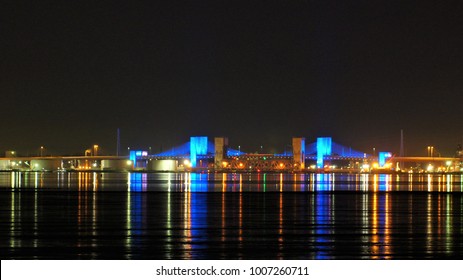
point(259, 72)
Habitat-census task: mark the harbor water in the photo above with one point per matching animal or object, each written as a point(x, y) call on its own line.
point(108, 215)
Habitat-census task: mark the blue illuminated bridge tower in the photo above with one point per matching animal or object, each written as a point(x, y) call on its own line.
point(201, 154)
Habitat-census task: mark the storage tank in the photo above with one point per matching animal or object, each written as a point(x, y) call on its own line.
point(116, 165)
point(5, 164)
point(45, 164)
point(162, 165)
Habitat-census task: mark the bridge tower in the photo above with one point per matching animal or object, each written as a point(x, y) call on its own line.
point(299, 153)
point(324, 148)
point(382, 157)
point(198, 147)
point(220, 147)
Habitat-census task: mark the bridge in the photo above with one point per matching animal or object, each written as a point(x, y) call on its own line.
point(202, 154)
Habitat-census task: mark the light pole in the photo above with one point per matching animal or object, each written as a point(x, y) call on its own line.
point(41, 151)
point(95, 150)
point(239, 150)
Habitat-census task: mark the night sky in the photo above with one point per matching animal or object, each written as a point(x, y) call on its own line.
point(258, 72)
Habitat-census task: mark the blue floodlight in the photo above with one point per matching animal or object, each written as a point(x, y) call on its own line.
point(133, 157)
point(323, 149)
point(198, 147)
point(382, 156)
point(303, 147)
point(134, 154)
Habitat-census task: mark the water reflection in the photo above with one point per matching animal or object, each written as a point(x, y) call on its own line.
point(324, 229)
point(230, 182)
point(208, 216)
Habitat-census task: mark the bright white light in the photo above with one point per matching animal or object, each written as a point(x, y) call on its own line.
point(430, 168)
point(129, 162)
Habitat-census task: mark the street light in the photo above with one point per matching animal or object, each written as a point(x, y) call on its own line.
point(95, 150)
point(41, 151)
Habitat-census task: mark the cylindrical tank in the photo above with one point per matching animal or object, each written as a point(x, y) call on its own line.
point(116, 165)
point(162, 165)
point(5, 164)
point(46, 164)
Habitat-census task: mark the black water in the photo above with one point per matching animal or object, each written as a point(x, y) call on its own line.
point(231, 216)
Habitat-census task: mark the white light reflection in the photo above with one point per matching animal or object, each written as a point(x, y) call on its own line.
point(280, 227)
point(186, 242)
point(429, 182)
point(36, 213)
point(36, 180)
point(365, 223)
point(128, 224)
point(94, 222)
point(448, 224)
point(449, 183)
point(312, 220)
point(15, 218)
point(388, 180)
point(169, 225)
point(429, 221)
point(312, 182)
point(364, 179)
point(95, 181)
